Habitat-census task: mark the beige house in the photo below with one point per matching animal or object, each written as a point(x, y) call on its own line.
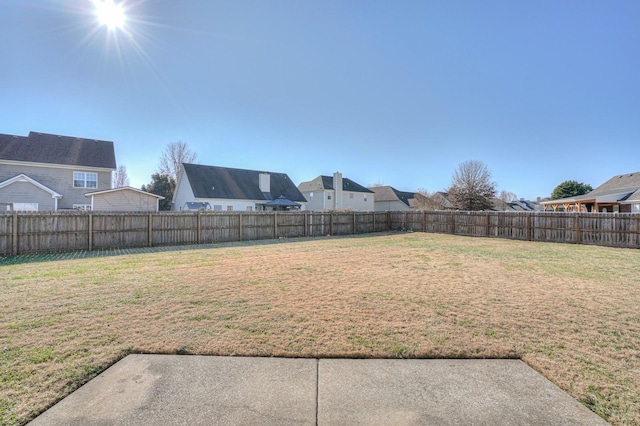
point(620, 194)
point(125, 199)
point(387, 198)
point(337, 193)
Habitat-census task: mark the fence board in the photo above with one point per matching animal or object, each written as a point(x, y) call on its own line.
point(6, 234)
point(67, 231)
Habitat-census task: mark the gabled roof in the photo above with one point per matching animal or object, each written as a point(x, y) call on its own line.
point(124, 188)
point(282, 202)
point(326, 182)
point(55, 149)
point(389, 193)
point(238, 184)
point(617, 189)
point(24, 178)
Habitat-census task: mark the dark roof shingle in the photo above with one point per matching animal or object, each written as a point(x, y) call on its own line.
point(55, 149)
point(238, 184)
point(347, 184)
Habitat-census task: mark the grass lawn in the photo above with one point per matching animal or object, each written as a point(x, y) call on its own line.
point(571, 312)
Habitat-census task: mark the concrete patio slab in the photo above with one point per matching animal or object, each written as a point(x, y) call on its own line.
point(442, 392)
point(193, 390)
point(202, 390)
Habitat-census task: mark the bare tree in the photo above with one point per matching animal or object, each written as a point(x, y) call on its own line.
point(173, 155)
point(507, 197)
point(120, 177)
point(471, 186)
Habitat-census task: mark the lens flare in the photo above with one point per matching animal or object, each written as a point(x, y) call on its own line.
point(110, 14)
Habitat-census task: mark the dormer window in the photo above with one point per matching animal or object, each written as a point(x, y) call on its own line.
point(85, 180)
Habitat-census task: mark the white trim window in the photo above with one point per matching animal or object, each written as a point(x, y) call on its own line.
point(635, 208)
point(25, 207)
point(85, 180)
point(83, 207)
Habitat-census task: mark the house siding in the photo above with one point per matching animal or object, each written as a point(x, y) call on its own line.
point(26, 192)
point(357, 203)
point(183, 193)
point(237, 205)
point(125, 200)
point(320, 200)
point(60, 180)
point(383, 206)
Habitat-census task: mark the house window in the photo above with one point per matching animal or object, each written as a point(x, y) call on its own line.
point(85, 180)
point(229, 208)
point(365, 197)
point(217, 207)
point(249, 208)
point(311, 195)
point(328, 196)
point(635, 208)
point(25, 207)
point(82, 207)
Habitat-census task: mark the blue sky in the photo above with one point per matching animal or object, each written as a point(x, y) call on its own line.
point(398, 93)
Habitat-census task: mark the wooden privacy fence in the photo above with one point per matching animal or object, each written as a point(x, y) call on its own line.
point(39, 232)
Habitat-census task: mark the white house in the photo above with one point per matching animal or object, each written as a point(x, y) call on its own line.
point(228, 189)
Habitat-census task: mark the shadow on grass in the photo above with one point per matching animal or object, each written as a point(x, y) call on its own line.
point(88, 254)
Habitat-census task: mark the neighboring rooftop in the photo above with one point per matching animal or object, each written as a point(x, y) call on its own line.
point(326, 182)
point(238, 184)
point(389, 193)
point(56, 149)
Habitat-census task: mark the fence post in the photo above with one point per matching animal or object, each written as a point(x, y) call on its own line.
point(488, 231)
point(240, 236)
point(331, 223)
point(90, 243)
point(150, 230)
point(424, 221)
point(198, 227)
point(354, 223)
point(306, 223)
point(388, 220)
point(528, 226)
point(275, 225)
point(14, 231)
point(577, 226)
point(453, 223)
point(374, 221)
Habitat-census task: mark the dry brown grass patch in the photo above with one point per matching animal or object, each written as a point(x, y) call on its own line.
point(571, 312)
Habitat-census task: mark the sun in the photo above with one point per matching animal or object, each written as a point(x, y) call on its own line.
point(110, 14)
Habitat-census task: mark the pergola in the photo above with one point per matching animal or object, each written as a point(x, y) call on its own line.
point(591, 202)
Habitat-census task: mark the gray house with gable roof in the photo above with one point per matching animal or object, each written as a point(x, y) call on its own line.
point(42, 172)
